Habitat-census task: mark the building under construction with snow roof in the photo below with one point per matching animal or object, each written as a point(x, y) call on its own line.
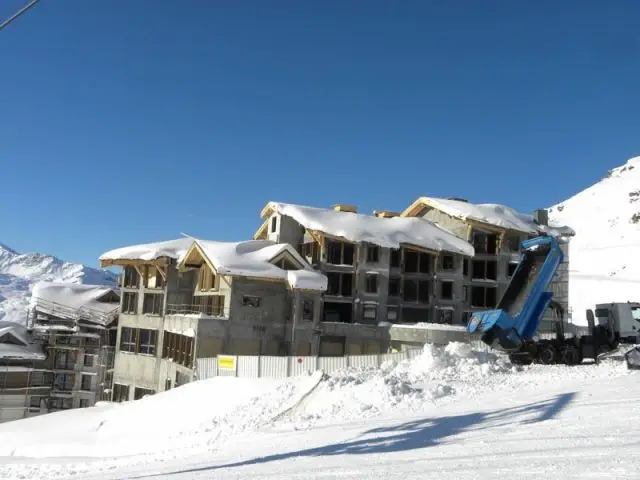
point(77, 325)
point(187, 298)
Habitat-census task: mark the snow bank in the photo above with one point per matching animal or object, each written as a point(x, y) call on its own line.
point(385, 232)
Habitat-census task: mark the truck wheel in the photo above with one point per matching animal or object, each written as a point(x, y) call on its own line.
point(570, 355)
point(546, 354)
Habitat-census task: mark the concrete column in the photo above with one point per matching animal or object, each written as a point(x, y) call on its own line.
point(315, 339)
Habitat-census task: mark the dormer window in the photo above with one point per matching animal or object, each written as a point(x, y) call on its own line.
point(274, 224)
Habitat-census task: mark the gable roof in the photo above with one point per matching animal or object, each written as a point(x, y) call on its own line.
point(492, 214)
point(384, 232)
point(252, 258)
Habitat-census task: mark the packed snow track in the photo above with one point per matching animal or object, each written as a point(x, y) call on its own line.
point(451, 413)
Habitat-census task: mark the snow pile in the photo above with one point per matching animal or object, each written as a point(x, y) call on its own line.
point(493, 214)
point(193, 416)
point(408, 385)
point(385, 232)
point(18, 273)
point(604, 256)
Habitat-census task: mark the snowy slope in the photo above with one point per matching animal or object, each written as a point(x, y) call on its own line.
point(450, 413)
point(19, 272)
point(605, 253)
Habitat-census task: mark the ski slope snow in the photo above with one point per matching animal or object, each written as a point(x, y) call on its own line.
point(604, 256)
point(19, 272)
point(450, 413)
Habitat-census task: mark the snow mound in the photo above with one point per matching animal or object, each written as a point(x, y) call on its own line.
point(407, 385)
point(605, 253)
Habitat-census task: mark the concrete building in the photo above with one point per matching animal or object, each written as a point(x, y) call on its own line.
point(185, 299)
point(495, 231)
point(381, 268)
point(76, 326)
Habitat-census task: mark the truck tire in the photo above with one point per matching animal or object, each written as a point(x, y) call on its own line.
point(570, 355)
point(546, 354)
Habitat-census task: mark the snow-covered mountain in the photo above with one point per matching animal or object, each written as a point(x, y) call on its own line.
point(18, 272)
point(604, 255)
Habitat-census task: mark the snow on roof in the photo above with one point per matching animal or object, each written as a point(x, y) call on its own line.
point(175, 249)
point(252, 258)
point(384, 232)
point(74, 300)
point(493, 214)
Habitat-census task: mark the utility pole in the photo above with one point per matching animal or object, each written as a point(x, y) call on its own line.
point(18, 13)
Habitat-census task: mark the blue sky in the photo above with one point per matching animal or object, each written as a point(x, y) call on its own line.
point(132, 121)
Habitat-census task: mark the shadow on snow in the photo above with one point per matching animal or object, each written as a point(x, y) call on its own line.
point(413, 435)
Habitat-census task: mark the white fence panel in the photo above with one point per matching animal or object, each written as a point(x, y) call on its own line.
point(332, 364)
point(274, 367)
point(302, 365)
point(249, 366)
point(359, 361)
point(206, 368)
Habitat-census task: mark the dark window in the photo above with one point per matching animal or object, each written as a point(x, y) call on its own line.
point(410, 261)
point(333, 283)
point(410, 290)
point(371, 284)
point(447, 262)
point(148, 341)
point(153, 304)
point(84, 403)
point(394, 286)
point(274, 223)
point(465, 267)
point(128, 339)
point(483, 297)
point(307, 310)
point(485, 269)
point(340, 253)
point(86, 383)
point(446, 317)
point(423, 291)
point(88, 360)
point(120, 392)
point(492, 270)
point(34, 402)
point(447, 290)
point(129, 302)
point(395, 257)
point(373, 253)
point(131, 278)
point(138, 393)
point(347, 285)
point(511, 269)
point(250, 301)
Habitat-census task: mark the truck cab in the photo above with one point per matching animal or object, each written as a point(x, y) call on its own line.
point(624, 318)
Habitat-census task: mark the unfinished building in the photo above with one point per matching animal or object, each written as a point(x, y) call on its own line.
point(495, 231)
point(188, 298)
point(76, 324)
point(381, 269)
point(25, 376)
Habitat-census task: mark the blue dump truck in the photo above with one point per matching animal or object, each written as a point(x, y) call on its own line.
point(513, 325)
